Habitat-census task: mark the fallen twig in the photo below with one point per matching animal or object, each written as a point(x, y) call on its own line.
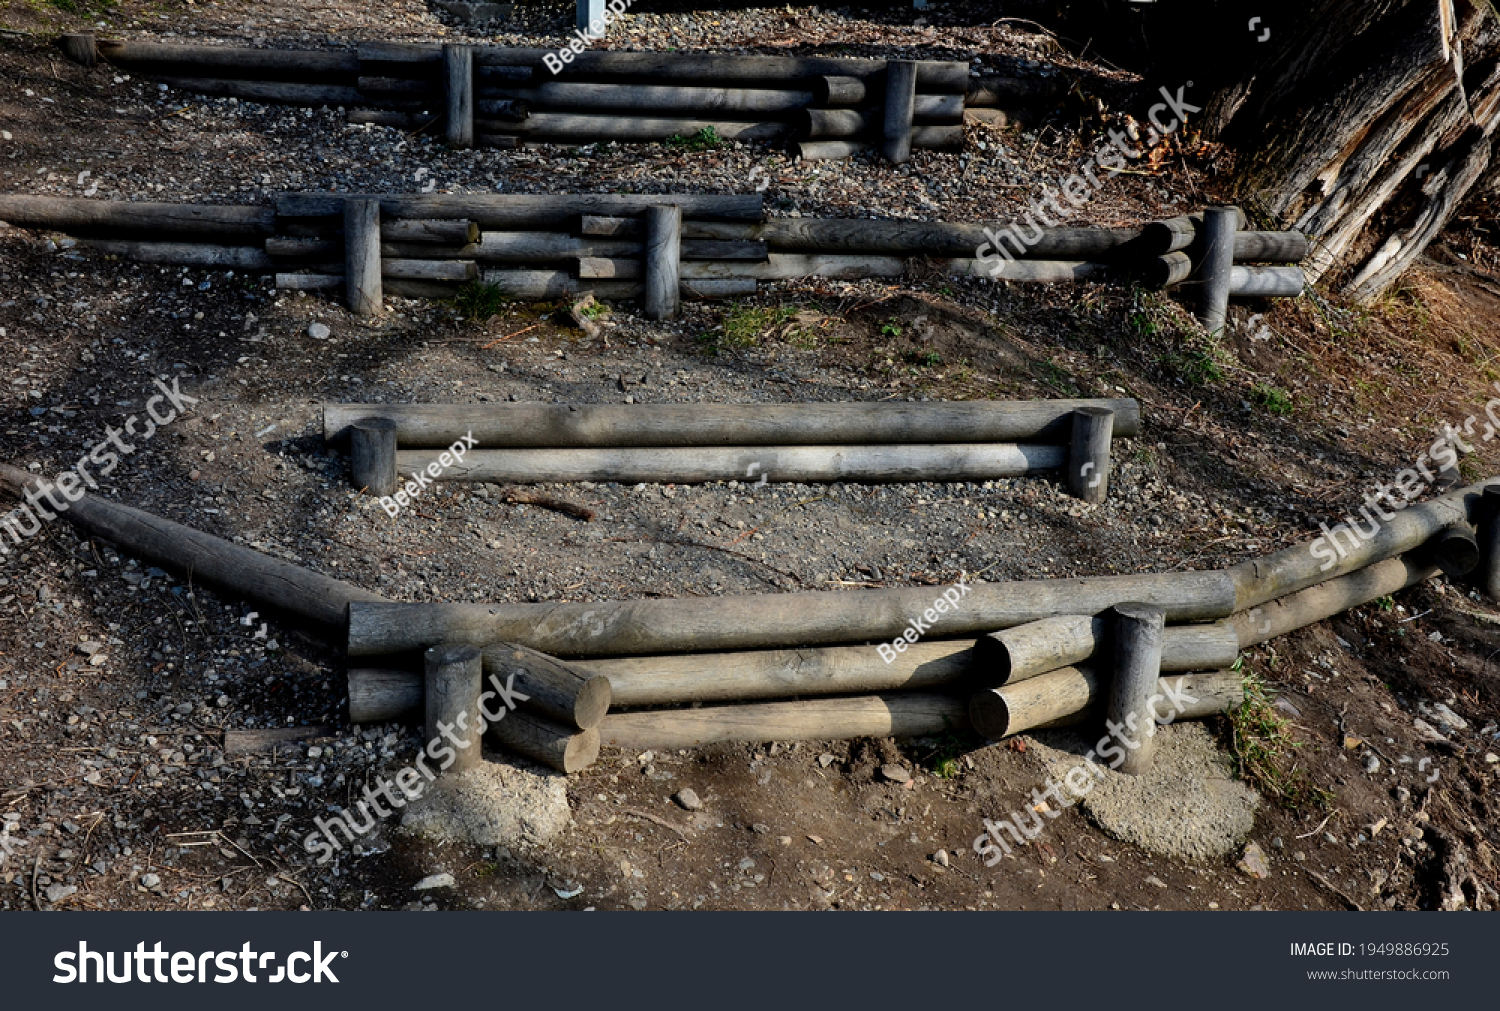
point(518, 496)
point(655, 820)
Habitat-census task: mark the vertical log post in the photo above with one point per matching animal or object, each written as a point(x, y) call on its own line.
point(454, 675)
point(458, 74)
point(1488, 574)
point(1088, 455)
point(1138, 630)
point(663, 256)
point(1219, 227)
point(900, 103)
point(372, 455)
point(81, 49)
point(362, 291)
point(590, 11)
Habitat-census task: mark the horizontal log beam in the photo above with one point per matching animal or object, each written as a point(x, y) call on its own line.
point(1076, 695)
point(583, 128)
point(184, 254)
point(549, 284)
point(564, 425)
point(905, 714)
point(699, 465)
point(518, 211)
point(555, 95)
point(781, 620)
point(120, 218)
point(204, 558)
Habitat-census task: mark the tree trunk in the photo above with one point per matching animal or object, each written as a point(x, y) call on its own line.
point(1368, 137)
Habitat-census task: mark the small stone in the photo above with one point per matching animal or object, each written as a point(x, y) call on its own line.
point(941, 858)
point(1372, 764)
point(1278, 843)
point(1491, 757)
point(1254, 862)
point(826, 760)
point(56, 893)
point(760, 828)
point(318, 331)
point(1155, 881)
point(222, 701)
point(315, 752)
point(1299, 856)
point(150, 881)
point(895, 773)
point(432, 881)
point(688, 800)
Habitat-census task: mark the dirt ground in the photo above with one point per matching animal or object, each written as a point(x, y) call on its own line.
point(118, 679)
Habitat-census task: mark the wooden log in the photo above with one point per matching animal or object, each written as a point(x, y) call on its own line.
point(1026, 651)
point(453, 720)
point(617, 267)
point(904, 714)
point(118, 218)
point(715, 677)
point(839, 91)
point(292, 281)
point(554, 689)
point(396, 86)
point(1456, 551)
point(362, 291)
point(831, 150)
point(458, 95)
point(550, 284)
point(1271, 619)
point(924, 238)
point(544, 247)
point(582, 128)
point(501, 426)
point(601, 267)
point(432, 230)
point(1088, 454)
point(272, 92)
point(699, 465)
point(224, 61)
point(502, 109)
point(80, 49)
point(1158, 237)
point(825, 124)
point(1028, 271)
point(782, 620)
point(788, 265)
point(933, 77)
point(372, 456)
point(398, 120)
point(571, 95)
point(1219, 224)
point(1265, 282)
point(491, 75)
point(1168, 270)
point(1076, 695)
point(566, 749)
point(1136, 669)
point(1339, 551)
point(1488, 576)
point(1271, 247)
point(515, 211)
point(184, 254)
point(383, 696)
point(206, 558)
point(430, 270)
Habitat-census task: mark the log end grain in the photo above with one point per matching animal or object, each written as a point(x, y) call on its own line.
point(989, 714)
